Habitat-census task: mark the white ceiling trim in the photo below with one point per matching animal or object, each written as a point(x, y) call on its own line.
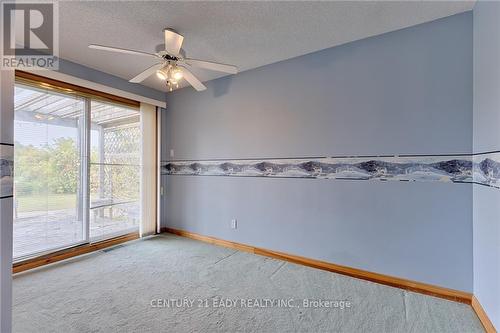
point(97, 86)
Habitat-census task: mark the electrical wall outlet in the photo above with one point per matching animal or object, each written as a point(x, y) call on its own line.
point(171, 153)
point(234, 224)
point(161, 190)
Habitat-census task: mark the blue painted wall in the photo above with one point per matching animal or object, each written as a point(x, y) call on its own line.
point(405, 92)
point(487, 138)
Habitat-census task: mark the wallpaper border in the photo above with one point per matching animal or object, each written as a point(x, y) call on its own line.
point(6, 170)
point(483, 169)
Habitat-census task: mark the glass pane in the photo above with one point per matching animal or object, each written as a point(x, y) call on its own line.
point(48, 129)
point(114, 170)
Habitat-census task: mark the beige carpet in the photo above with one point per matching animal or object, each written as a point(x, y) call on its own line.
point(118, 291)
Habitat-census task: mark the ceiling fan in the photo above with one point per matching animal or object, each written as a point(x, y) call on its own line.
point(173, 66)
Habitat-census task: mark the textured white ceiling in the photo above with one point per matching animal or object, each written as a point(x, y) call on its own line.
point(246, 34)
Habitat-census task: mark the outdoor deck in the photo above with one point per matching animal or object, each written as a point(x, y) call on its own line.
point(40, 231)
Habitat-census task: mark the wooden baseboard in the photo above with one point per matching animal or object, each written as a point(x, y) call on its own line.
point(419, 287)
point(71, 252)
point(483, 317)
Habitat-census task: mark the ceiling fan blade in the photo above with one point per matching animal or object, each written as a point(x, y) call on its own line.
point(146, 73)
point(182, 53)
point(213, 66)
point(120, 50)
point(173, 42)
point(192, 80)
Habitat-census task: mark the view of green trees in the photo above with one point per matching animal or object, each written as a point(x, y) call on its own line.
point(47, 176)
point(50, 168)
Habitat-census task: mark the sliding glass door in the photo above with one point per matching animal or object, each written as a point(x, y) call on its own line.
point(76, 170)
point(114, 170)
point(48, 133)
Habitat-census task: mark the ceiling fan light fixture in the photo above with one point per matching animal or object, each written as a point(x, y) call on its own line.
point(162, 74)
point(176, 74)
point(170, 66)
point(169, 73)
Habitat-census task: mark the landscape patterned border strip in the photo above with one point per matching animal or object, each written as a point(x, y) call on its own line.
point(487, 169)
point(6, 170)
point(483, 169)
